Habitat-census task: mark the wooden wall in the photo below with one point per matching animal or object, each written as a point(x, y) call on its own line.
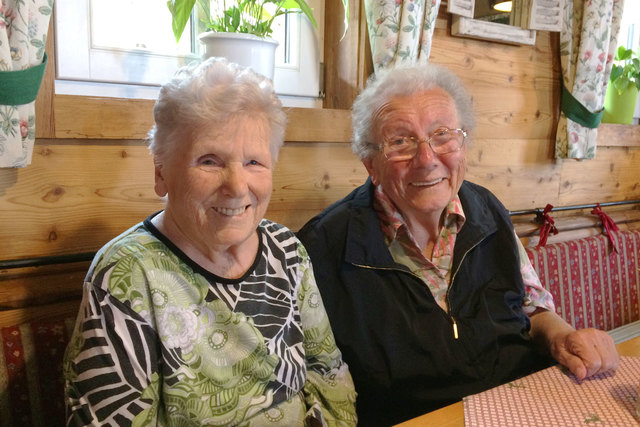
point(91, 176)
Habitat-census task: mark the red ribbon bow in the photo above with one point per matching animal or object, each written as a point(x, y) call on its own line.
point(608, 224)
point(547, 225)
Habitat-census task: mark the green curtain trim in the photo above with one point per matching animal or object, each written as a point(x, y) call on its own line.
point(574, 110)
point(21, 87)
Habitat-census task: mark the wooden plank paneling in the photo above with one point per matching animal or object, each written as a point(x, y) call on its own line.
point(76, 196)
point(521, 172)
point(308, 178)
point(318, 125)
point(39, 312)
point(613, 135)
point(113, 118)
point(515, 88)
point(22, 287)
point(612, 176)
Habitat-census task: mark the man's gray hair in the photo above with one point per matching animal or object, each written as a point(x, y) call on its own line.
point(211, 94)
point(403, 80)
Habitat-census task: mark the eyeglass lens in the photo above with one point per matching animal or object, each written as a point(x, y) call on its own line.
point(441, 142)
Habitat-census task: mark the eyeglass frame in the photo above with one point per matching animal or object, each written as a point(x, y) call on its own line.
point(419, 141)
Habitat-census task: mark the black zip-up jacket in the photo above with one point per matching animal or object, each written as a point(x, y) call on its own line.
point(401, 347)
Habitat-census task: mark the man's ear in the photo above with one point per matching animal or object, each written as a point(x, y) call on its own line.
point(368, 164)
point(160, 186)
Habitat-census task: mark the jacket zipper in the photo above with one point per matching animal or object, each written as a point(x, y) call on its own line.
point(453, 319)
point(448, 312)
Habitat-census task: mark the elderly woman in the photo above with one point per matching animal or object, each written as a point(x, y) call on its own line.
point(205, 313)
point(425, 282)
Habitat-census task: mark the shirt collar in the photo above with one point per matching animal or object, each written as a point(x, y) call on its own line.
point(392, 221)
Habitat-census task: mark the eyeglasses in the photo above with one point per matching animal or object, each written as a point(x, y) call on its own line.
point(442, 141)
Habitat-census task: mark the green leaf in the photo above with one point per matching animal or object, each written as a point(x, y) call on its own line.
point(616, 71)
point(621, 84)
point(180, 13)
point(304, 7)
point(393, 27)
point(623, 53)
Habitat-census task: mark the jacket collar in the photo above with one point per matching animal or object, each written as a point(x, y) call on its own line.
point(365, 243)
point(480, 222)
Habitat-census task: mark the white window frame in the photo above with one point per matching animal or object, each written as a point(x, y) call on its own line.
point(631, 38)
point(90, 71)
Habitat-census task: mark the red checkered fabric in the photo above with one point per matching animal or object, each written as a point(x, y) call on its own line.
point(31, 382)
point(592, 286)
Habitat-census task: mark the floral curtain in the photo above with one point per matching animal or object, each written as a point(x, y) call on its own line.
point(587, 47)
point(23, 33)
point(400, 30)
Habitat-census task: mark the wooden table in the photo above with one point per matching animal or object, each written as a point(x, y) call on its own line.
point(453, 415)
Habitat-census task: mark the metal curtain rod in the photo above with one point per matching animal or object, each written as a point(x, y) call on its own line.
point(574, 207)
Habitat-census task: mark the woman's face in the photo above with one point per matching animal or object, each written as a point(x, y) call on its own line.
point(218, 184)
point(428, 182)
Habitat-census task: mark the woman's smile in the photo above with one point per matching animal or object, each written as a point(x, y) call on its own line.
point(231, 211)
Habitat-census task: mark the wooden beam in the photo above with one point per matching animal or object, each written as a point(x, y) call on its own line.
point(341, 54)
point(81, 117)
point(47, 312)
point(45, 127)
point(614, 135)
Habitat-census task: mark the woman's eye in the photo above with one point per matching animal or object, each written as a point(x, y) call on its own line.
point(209, 161)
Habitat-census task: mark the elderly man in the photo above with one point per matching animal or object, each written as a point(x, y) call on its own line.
point(427, 287)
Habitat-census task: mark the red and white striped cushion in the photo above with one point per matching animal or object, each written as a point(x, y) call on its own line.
point(592, 286)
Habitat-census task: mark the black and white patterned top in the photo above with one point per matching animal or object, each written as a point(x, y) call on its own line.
point(160, 340)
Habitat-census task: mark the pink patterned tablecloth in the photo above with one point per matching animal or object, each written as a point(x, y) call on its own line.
point(554, 397)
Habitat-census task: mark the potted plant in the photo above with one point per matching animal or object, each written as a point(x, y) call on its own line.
point(622, 92)
point(238, 29)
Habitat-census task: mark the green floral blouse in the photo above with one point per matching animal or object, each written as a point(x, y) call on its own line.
point(159, 340)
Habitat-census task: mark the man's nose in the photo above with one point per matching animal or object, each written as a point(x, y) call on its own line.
point(424, 152)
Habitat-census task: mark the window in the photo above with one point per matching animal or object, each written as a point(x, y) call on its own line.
point(125, 48)
point(629, 36)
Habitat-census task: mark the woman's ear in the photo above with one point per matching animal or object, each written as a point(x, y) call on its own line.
point(160, 186)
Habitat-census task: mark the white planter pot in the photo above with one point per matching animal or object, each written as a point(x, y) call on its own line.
point(244, 49)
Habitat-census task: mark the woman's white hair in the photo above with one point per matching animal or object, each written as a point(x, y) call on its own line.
point(211, 94)
point(403, 80)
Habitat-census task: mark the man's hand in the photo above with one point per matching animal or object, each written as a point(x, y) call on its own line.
point(586, 352)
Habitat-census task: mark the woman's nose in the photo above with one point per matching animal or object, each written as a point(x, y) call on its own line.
point(235, 181)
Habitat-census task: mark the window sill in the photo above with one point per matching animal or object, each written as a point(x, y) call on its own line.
point(81, 117)
point(614, 135)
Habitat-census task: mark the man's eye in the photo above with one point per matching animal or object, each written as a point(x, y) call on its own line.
point(253, 162)
point(398, 141)
point(441, 132)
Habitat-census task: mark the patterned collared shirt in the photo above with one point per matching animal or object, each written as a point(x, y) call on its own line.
point(436, 272)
